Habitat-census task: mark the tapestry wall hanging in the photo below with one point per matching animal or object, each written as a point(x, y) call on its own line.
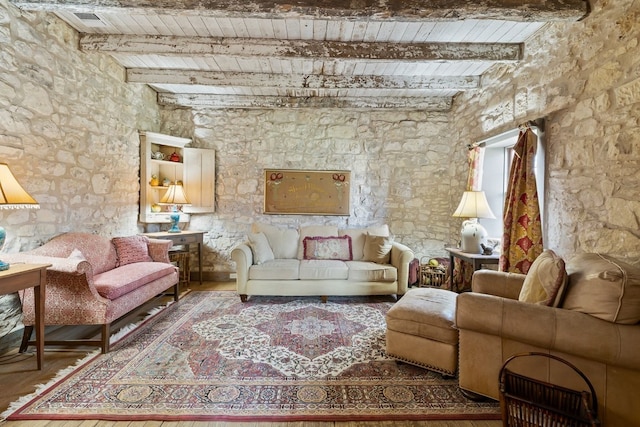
point(306, 192)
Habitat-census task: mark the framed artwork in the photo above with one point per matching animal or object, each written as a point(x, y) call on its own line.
point(306, 192)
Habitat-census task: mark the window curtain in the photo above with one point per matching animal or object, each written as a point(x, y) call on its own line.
point(522, 238)
point(463, 270)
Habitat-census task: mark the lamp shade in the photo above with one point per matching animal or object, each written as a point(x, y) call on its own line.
point(12, 195)
point(175, 196)
point(474, 205)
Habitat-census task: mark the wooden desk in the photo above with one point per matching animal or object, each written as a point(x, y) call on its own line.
point(24, 276)
point(477, 260)
point(185, 238)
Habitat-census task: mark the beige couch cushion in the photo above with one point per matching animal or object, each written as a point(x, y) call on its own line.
point(260, 248)
point(312, 231)
point(277, 269)
point(358, 236)
point(603, 287)
point(325, 269)
point(283, 241)
point(546, 280)
point(363, 271)
point(377, 248)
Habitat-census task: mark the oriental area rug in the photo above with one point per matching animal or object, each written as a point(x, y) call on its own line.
point(211, 357)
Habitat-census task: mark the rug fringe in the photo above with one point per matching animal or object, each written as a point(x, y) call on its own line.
point(40, 388)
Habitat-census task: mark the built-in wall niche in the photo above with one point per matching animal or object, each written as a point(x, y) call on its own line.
point(165, 159)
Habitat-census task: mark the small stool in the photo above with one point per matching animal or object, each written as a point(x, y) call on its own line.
point(181, 259)
point(421, 330)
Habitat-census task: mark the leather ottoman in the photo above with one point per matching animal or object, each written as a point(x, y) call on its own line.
point(421, 330)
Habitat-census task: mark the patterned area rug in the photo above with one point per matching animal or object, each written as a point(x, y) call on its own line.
point(211, 357)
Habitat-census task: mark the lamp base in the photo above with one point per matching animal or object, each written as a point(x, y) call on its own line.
point(175, 217)
point(473, 234)
point(4, 266)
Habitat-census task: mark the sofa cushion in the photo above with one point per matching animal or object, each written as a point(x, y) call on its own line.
point(131, 249)
point(365, 271)
point(317, 269)
point(277, 269)
point(377, 248)
point(283, 241)
point(114, 283)
point(358, 236)
point(603, 287)
point(260, 248)
point(314, 230)
point(545, 281)
point(317, 247)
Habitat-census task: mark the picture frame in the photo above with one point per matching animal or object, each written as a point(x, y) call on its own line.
point(307, 192)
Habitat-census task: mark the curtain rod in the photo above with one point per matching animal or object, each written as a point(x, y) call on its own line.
point(536, 123)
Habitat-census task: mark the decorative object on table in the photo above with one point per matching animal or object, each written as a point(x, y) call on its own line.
point(176, 198)
point(155, 208)
point(154, 181)
point(473, 205)
point(486, 250)
point(174, 157)
point(166, 182)
point(157, 155)
point(12, 196)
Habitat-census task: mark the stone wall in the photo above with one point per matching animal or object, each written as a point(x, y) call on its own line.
point(68, 130)
point(404, 170)
point(584, 79)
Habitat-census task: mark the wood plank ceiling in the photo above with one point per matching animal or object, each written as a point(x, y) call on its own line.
point(415, 54)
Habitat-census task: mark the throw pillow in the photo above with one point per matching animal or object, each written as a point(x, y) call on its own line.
point(318, 247)
point(545, 281)
point(260, 247)
point(131, 249)
point(359, 235)
point(314, 230)
point(283, 241)
point(377, 248)
point(603, 287)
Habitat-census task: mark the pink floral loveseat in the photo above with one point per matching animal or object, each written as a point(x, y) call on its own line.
point(94, 280)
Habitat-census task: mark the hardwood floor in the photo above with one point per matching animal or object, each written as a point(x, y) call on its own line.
point(19, 377)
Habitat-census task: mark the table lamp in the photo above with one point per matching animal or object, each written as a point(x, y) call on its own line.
point(176, 198)
point(473, 205)
point(12, 196)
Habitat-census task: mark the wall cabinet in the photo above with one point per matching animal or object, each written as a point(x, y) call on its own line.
point(165, 159)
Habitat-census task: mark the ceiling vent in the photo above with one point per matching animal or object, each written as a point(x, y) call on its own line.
point(90, 19)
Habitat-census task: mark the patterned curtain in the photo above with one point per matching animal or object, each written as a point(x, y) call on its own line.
point(463, 270)
point(522, 238)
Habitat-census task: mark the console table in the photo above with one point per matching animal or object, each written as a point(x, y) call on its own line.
point(186, 238)
point(24, 276)
point(477, 260)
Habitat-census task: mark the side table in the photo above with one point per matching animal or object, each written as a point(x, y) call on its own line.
point(477, 260)
point(24, 276)
point(185, 238)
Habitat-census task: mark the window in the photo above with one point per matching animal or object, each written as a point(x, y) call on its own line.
point(497, 162)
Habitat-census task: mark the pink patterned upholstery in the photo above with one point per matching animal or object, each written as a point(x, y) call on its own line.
point(90, 289)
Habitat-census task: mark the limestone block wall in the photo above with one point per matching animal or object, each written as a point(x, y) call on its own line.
point(68, 130)
point(584, 78)
point(404, 170)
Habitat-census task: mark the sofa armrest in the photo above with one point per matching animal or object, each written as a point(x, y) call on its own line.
point(497, 283)
point(401, 256)
point(159, 249)
point(74, 266)
point(555, 329)
point(243, 257)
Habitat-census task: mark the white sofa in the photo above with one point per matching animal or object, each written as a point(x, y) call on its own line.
point(321, 261)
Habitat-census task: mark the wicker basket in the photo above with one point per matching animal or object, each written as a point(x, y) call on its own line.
point(433, 277)
point(526, 402)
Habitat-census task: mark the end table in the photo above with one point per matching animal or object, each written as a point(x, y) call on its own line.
point(477, 260)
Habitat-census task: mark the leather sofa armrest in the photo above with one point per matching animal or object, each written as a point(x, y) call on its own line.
point(555, 329)
point(159, 249)
point(401, 256)
point(243, 257)
point(498, 283)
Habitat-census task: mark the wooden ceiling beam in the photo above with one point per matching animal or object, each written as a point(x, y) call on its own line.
point(317, 49)
point(249, 102)
point(526, 11)
point(299, 81)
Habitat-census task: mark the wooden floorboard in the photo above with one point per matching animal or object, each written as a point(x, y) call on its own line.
point(19, 377)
